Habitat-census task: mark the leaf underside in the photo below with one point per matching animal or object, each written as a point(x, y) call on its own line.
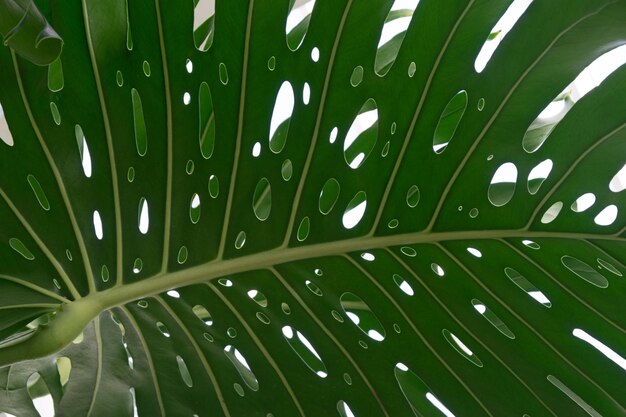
point(213, 248)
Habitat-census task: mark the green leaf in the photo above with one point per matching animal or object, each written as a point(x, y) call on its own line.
point(161, 252)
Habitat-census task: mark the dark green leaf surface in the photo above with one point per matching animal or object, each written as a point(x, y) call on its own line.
point(199, 267)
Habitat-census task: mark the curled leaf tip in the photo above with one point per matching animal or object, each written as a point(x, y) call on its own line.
point(25, 30)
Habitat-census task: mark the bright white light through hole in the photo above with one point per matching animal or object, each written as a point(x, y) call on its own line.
point(402, 367)
point(475, 252)
point(376, 335)
point(406, 288)
point(506, 173)
point(144, 218)
point(361, 123)
point(542, 170)
point(173, 294)
point(583, 202)
point(256, 149)
point(5, 132)
point(298, 14)
point(287, 332)
point(309, 346)
point(368, 256)
point(306, 93)
point(195, 201)
point(186, 98)
point(499, 31)
point(552, 109)
point(242, 360)
point(352, 217)
point(333, 135)
point(539, 296)
point(434, 401)
point(97, 225)
point(607, 216)
point(618, 182)
point(252, 293)
point(189, 66)
point(461, 345)
point(315, 54)
point(347, 410)
point(480, 308)
point(397, 26)
point(283, 109)
point(44, 405)
point(604, 349)
point(355, 319)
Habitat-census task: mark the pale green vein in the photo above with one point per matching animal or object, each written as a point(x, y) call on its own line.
point(332, 337)
point(496, 113)
point(405, 143)
point(242, 102)
point(146, 350)
point(417, 332)
point(57, 177)
point(99, 368)
point(467, 330)
point(170, 146)
point(570, 169)
point(35, 288)
point(42, 246)
point(566, 289)
point(528, 325)
point(199, 353)
point(261, 347)
point(316, 129)
point(40, 305)
point(112, 165)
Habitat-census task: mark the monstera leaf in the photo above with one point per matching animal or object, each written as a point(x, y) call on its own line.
point(314, 208)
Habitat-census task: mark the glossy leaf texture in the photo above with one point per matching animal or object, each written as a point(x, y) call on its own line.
point(176, 240)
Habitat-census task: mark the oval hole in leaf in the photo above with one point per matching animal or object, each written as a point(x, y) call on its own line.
point(499, 31)
point(20, 248)
point(303, 229)
point(503, 183)
point(5, 132)
point(262, 199)
point(552, 212)
point(538, 175)
point(281, 117)
point(243, 368)
point(83, 150)
point(403, 285)
point(305, 351)
point(449, 121)
point(414, 390)
point(607, 216)
point(362, 316)
point(413, 196)
point(492, 318)
point(194, 208)
point(589, 78)
point(298, 20)
point(56, 116)
point(203, 24)
point(461, 348)
point(583, 202)
point(144, 216)
point(55, 76)
point(355, 210)
point(207, 121)
point(526, 286)
point(214, 186)
point(258, 297)
point(357, 76)
point(329, 195)
point(609, 267)
point(286, 170)
point(584, 271)
point(362, 135)
point(203, 314)
point(141, 135)
point(184, 371)
point(38, 191)
point(343, 409)
point(97, 225)
point(392, 34)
